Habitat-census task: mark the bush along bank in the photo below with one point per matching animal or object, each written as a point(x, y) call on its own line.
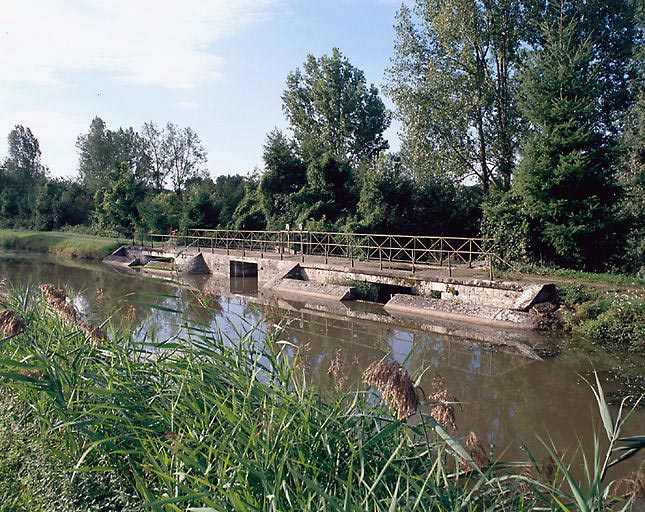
point(207, 423)
point(613, 318)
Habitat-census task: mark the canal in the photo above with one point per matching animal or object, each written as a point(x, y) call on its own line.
point(512, 387)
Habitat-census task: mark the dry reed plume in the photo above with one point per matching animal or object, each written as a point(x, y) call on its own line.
point(477, 451)
point(57, 299)
point(10, 323)
point(131, 314)
point(394, 384)
point(337, 369)
point(634, 485)
point(444, 410)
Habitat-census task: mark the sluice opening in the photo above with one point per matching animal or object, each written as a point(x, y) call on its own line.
point(243, 269)
point(380, 293)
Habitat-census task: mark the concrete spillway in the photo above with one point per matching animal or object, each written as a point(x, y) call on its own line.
point(493, 303)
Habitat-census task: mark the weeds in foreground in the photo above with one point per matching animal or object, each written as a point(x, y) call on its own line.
point(207, 423)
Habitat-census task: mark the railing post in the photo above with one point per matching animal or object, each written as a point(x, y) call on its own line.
point(490, 267)
point(281, 244)
point(441, 252)
point(302, 248)
point(327, 249)
point(470, 253)
point(351, 254)
point(414, 253)
point(449, 267)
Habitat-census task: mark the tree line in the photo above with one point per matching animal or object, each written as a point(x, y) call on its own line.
point(523, 120)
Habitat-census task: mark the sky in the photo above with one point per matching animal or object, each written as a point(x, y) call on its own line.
point(217, 66)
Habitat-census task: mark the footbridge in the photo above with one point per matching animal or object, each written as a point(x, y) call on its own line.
point(447, 277)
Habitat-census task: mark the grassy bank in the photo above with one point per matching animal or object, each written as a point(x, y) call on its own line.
point(206, 423)
point(607, 309)
point(614, 318)
point(67, 245)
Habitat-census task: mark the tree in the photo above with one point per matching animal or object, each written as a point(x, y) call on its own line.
point(21, 175)
point(284, 175)
point(160, 213)
point(249, 214)
point(385, 204)
point(453, 80)
point(566, 179)
point(24, 153)
point(185, 156)
point(330, 196)
point(103, 151)
point(610, 29)
point(633, 172)
point(229, 192)
point(331, 109)
point(200, 209)
point(117, 206)
point(155, 149)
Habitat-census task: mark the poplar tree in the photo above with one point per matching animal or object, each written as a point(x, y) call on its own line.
point(453, 82)
point(332, 110)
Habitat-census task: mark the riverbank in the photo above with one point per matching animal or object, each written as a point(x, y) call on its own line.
point(212, 423)
point(60, 244)
point(605, 309)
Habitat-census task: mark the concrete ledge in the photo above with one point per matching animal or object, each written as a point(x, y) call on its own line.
point(416, 306)
point(314, 290)
point(193, 265)
point(120, 257)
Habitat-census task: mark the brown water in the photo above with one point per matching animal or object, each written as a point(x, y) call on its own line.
point(506, 397)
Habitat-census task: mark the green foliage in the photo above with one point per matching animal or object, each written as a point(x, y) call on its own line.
point(574, 293)
point(60, 203)
point(453, 81)
point(232, 424)
point(249, 214)
point(633, 175)
point(615, 320)
point(284, 176)
point(59, 244)
point(33, 476)
point(331, 109)
point(504, 221)
point(363, 290)
point(117, 206)
point(21, 174)
point(102, 152)
point(160, 213)
point(566, 179)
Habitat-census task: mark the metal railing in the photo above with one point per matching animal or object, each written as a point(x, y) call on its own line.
point(387, 250)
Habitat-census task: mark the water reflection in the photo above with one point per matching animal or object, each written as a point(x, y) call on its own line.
point(505, 395)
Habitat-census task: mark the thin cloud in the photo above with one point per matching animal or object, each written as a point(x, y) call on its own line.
point(161, 43)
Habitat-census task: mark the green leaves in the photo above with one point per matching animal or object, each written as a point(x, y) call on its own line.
point(332, 109)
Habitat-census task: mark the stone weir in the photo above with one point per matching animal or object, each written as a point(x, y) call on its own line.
point(422, 294)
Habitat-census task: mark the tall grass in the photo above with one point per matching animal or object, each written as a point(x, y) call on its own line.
point(209, 423)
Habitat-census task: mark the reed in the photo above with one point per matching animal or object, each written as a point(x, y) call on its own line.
point(209, 423)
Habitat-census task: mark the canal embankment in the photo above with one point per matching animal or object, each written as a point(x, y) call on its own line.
point(59, 244)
